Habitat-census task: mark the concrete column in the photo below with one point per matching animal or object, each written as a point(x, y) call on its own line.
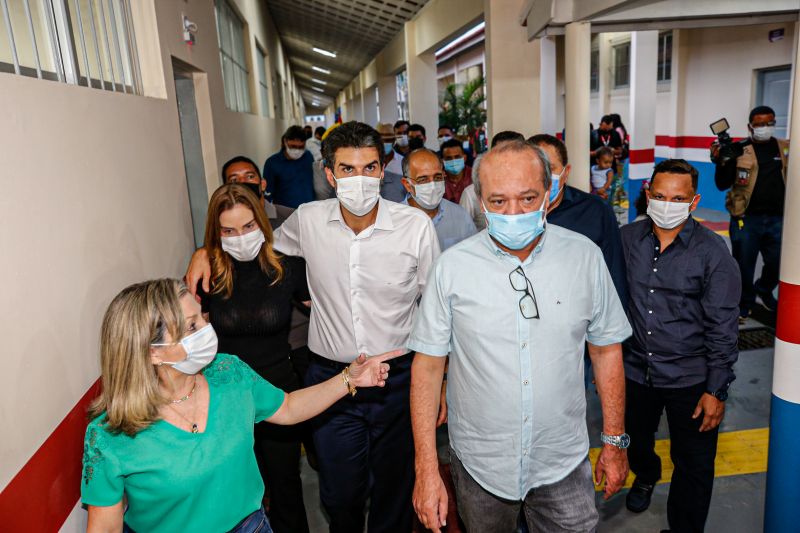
point(578, 43)
point(387, 98)
point(370, 106)
point(603, 75)
point(512, 70)
point(547, 86)
point(423, 99)
point(782, 511)
point(361, 95)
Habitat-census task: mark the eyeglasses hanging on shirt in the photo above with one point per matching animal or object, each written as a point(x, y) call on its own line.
point(521, 283)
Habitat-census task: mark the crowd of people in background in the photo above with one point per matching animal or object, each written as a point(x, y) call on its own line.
point(472, 289)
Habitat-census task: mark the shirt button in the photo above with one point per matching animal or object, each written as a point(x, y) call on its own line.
point(524, 345)
point(650, 354)
point(650, 311)
point(526, 419)
point(649, 332)
point(651, 290)
point(525, 452)
point(655, 259)
point(655, 270)
point(525, 382)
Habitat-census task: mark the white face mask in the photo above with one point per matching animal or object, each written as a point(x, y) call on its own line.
point(358, 194)
point(244, 247)
point(763, 133)
point(295, 153)
point(668, 215)
point(402, 140)
point(444, 138)
point(200, 347)
point(429, 195)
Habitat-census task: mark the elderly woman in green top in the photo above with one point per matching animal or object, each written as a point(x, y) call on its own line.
point(170, 444)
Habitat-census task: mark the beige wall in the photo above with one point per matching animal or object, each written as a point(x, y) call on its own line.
point(95, 198)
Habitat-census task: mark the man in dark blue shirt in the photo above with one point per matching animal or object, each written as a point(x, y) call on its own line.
point(684, 301)
point(582, 212)
point(290, 173)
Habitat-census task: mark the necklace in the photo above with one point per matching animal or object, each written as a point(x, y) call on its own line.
point(179, 400)
point(194, 424)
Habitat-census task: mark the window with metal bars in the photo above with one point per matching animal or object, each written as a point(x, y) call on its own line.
point(81, 42)
point(235, 74)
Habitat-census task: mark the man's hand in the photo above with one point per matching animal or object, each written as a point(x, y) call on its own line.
point(199, 268)
point(613, 464)
point(430, 501)
point(442, 418)
point(712, 409)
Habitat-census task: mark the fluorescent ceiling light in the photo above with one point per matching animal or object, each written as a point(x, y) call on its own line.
point(324, 52)
point(318, 89)
point(320, 69)
point(461, 38)
point(315, 80)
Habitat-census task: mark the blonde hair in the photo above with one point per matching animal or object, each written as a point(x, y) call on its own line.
point(224, 198)
point(138, 316)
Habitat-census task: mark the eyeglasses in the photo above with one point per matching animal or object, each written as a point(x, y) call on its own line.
point(521, 283)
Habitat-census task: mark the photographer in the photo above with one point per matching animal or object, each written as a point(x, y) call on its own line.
point(755, 173)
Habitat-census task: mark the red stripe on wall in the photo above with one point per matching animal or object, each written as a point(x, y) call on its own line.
point(647, 155)
point(787, 328)
point(686, 141)
point(44, 492)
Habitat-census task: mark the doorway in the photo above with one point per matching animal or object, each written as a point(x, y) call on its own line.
point(192, 148)
point(772, 89)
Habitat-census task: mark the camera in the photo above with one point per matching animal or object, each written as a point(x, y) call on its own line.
point(728, 148)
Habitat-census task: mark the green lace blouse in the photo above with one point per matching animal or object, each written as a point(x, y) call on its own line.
point(180, 481)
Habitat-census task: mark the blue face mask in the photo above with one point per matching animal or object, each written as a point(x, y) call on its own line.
point(515, 231)
point(554, 190)
point(387, 147)
point(454, 166)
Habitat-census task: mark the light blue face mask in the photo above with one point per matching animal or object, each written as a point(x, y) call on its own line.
point(387, 147)
point(515, 232)
point(554, 189)
point(454, 166)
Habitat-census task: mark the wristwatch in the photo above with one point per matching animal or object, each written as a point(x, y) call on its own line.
point(721, 394)
point(620, 441)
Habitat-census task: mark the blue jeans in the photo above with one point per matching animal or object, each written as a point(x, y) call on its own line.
point(757, 234)
point(255, 522)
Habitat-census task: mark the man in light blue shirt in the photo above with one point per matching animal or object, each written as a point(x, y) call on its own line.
point(423, 179)
point(513, 307)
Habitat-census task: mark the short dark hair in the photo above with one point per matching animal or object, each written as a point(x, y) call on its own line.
point(446, 127)
point(603, 151)
point(238, 159)
point(452, 143)
point(400, 123)
point(553, 141)
point(294, 133)
point(608, 119)
point(407, 159)
point(417, 127)
point(505, 136)
point(319, 131)
point(350, 135)
point(675, 166)
point(760, 110)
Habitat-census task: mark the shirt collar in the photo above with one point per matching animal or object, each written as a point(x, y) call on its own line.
point(382, 222)
point(498, 252)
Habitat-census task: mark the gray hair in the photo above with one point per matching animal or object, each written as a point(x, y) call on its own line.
point(519, 147)
point(407, 159)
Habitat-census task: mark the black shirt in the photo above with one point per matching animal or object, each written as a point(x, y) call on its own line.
point(683, 307)
point(254, 322)
point(590, 216)
point(770, 189)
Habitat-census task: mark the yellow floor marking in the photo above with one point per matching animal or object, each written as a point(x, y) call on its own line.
point(738, 452)
point(722, 232)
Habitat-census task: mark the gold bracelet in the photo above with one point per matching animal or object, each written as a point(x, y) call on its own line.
point(346, 378)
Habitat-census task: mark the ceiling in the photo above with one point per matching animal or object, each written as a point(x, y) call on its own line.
point(356, 30)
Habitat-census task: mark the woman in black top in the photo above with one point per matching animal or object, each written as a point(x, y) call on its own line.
point(250, 306)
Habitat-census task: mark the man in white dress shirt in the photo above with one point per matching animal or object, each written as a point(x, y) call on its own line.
point(367, 262)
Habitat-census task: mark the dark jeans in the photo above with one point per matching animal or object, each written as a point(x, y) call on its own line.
point(758, 234)
point(278, 454)
point(691, 451)
point(567, 505)
point(256, 522)
point(365, 451)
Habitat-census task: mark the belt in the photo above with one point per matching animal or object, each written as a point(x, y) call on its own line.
point(337, 365)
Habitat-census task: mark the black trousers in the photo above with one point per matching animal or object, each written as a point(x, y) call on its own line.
point(365, 451)
point(691, 451)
